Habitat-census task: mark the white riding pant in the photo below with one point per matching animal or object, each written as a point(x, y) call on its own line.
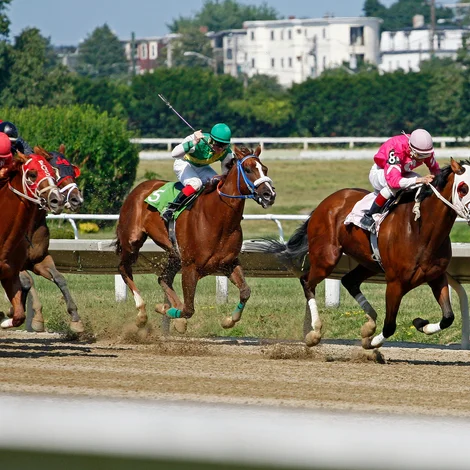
point(379, 183)
point(192, 175)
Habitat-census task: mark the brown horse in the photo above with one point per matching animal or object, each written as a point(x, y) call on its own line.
point(39, 260)
point(412, 252)
point(209, 236)
point(30, 191)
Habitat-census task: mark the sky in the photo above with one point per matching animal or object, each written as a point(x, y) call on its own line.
point(67, 22)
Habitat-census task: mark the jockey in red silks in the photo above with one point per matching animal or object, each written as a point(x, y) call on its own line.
point(6, 157)
point(17, 142)
point(393, 165)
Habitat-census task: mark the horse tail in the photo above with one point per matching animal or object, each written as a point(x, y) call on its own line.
point(292, 253)
point(117, 246)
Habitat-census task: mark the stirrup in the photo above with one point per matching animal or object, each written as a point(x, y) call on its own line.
point(368, 222)
point(168, 215)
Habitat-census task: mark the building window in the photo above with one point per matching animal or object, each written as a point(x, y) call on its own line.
point(299, 31)
point(272, 35)
point(143, 51)
point(290, 61)
point(252, 35)
point(153, 51)
point(272, 63)
point(282, 62)
point(324, 33)
point(324, 63)
point(282, 34)
point(229, 54)
point(289, 34)
point(357, 36)
point(252, 63)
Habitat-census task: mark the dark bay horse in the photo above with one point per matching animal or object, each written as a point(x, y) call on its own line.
point(39, 260)
point(30, 191)
point(412, 252)
point(209, 236)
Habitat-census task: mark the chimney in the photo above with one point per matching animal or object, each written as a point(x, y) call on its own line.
point(418, 21)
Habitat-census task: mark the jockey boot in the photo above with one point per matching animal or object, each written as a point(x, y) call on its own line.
point(174, 206)
point(367, 220)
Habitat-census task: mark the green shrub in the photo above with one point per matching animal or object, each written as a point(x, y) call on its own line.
point(97, 143)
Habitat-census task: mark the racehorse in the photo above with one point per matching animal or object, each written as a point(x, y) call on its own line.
point(39, 260)
point(412, 251)
point(29, 192)
point(209, 236)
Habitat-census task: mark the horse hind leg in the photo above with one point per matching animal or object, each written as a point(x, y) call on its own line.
point(238, 279)
point(352, 282)
point(27, 287)
point(17, 298)
point(129, 253)
point(312, 322)
point(440, 289)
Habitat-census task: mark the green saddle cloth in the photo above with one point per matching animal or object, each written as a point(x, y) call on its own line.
point(160, 198)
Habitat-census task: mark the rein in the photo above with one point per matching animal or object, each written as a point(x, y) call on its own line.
point(251, 186)
point(462, 211)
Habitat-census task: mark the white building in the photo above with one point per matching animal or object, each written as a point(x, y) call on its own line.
point(295, 49)
point(407, 48)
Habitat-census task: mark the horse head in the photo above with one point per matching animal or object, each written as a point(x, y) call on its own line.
point(66, 175)
point(252, 177)
point(38, 182)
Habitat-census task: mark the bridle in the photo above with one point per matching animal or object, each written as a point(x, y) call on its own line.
point(67, 190)
point(34, 195)
point(252, 186)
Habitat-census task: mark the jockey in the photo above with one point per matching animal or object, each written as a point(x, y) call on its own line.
point(393, 166)
point(17, 142)
point(6, 157)
point(192, 162)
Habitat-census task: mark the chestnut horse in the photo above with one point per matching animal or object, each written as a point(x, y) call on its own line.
point(39, 260)
point(209, 236)
point(412, 252)
point(31, 190)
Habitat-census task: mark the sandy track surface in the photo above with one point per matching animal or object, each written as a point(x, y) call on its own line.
point(412, 379)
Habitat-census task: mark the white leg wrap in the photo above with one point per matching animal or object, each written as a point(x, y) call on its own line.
point(378, 340)
point(8, 323)
point(431, 328)
point(312, 305)
point(139, 301)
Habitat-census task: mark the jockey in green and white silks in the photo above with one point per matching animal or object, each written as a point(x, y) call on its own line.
point(193, 158)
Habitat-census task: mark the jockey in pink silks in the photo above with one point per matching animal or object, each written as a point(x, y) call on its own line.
point(393, 168)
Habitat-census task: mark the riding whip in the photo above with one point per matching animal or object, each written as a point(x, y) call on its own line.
point(182, 118)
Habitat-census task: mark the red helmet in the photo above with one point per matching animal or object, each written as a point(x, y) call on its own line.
point(5, 146)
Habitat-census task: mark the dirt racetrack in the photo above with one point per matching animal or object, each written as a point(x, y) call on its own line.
point(411, 379)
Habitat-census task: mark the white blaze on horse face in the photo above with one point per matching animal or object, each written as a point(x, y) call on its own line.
point(462, 204)
point(263, 178)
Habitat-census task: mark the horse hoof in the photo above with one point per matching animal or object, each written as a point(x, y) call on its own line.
point(37, 326)
point(8, 323)
point(77, 327)
point(141, 320)
point(181, 325)
point(161, 308)
point(368, 330)
point(420, 323)
point(312, 338)
point(367, 343)
point(227, 322)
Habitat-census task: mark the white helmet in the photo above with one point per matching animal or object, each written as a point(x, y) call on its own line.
point(421, 143)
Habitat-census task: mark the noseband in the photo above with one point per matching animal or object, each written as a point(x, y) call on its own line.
point(252, 186)
point(67, 190)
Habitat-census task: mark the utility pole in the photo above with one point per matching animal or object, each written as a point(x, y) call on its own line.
point(133, 53)
point(433, 27)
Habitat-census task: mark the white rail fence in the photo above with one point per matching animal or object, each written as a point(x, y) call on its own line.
point(304, 141)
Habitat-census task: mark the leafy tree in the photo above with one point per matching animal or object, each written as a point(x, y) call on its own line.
point(221, 15)
point(36, 78)
point(4, 20)
point(192, 39)
point(5, 49)
point(101, 54)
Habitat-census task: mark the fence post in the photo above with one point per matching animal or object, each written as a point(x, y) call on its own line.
point(332, 291)
point(221, 293)
point(120, 288)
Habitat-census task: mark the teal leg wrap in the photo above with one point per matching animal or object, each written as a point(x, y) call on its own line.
point(173, 313)
point(236, 314)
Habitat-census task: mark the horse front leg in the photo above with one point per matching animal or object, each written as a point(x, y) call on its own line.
point(238, 279)
point(393, 295)
point(14, 293)
point(352, 282)
point(440, 289)
point(47, 269)
point(27, 286)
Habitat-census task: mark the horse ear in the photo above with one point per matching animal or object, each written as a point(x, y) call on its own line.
point(44, 153)
point(20, 157)
point(456, 167)
point(76, 171)
point(237, 152)
point(258, 151)
point(62, 149)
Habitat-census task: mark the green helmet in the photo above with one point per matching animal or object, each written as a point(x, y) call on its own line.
point(221, 133)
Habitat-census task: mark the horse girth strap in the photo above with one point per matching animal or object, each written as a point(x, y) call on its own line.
point(374, 244)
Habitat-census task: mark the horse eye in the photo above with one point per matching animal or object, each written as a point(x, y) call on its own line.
point(462, 189)
point(33, 175)
point(248, 170)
